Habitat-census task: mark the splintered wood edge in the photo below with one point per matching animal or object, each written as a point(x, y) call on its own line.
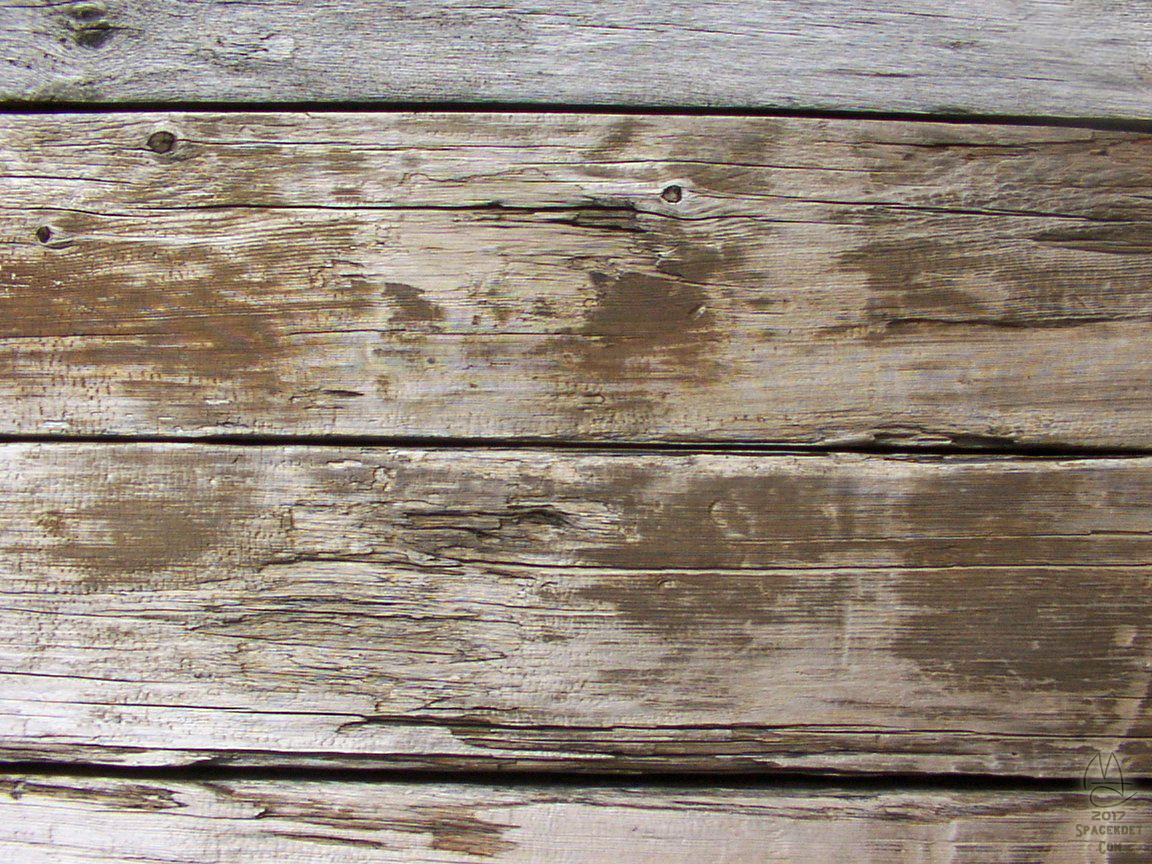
point(62, 820)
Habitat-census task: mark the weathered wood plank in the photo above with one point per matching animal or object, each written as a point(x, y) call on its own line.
point(985, 56)
point(63, 820)
point(586, 278)
point(164, 604)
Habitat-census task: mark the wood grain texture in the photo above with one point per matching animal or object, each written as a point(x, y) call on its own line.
point(566, 277)
point(1070, 58)
point(168, 604)
point(78, 821)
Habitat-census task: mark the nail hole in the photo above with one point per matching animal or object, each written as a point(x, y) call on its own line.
point(672, 194)
point(161, 142)
point(43, 233)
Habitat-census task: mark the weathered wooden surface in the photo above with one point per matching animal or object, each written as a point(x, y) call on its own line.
point(64, 820)
point(172, 603)
point(565, 277)
point(1073, 57)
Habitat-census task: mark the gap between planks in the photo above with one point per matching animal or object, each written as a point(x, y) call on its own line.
point(1087, 121)
point(973, 445)
point(206, 772)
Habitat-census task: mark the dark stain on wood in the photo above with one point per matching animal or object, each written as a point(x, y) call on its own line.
point(632, 514)
point(640, 329)
point(914, 279)
point(720, 180)
point(726, 523)
point(617, 140)
point(183, 314)
point(959, 519)
point(1106, 239)
point(150, 520)
point(1015, 513)
point(188, 326)
point(348, 194)
point(759, 140)
point(458, 829)
point(113, 795)
point(703, 264)
point(342, 840)
point(411, 306)
point(924, 281)
point(1027, 642)
point(729, 522)
point(87, 24)
point(451, 827)
point(705, 611)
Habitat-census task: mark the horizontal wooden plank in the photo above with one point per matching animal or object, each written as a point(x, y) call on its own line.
point(63, 820)
point(586, 278)
point(167, 604)
point(1024, 57)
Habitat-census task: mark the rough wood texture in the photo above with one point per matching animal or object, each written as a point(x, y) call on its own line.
point(588, 278)
point(165, 604)
point(1071, 57)
point(66, 820)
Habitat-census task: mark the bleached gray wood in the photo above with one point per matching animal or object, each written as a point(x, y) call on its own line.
point(575, 277)
point(65, 820)
point(1072, 57)
point(169, 604)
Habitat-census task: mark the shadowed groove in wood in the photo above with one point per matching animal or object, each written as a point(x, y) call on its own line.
point(352, 107)
point(207, 772)
point(959, 445)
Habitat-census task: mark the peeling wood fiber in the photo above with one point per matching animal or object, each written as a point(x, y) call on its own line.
point(1028, 57)
point(169, 604)
point(579, 278)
